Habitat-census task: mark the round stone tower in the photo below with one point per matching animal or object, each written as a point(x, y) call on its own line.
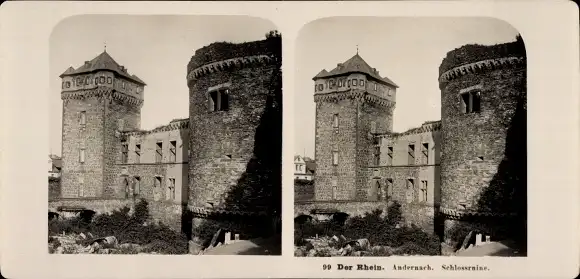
point(483, 163)
point(235, 116)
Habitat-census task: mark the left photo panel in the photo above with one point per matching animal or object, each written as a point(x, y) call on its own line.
point(165, 135)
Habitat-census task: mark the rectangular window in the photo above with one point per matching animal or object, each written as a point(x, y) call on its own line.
point(425, 153)
point(156, 187)
point(377, 156)
point(170, 195)
point(335, 158)
point(471, 102)
point(219, 100)
point(389, 187)
point(83, 118)
point(340, 83)
point(159, 152)
point(375, 86)
point(354, 82)
point(335, 121)
point(389, 91)
point(137, 153)
point(124, 153)
point(410, 183)
point(423, 190)
point(172, 151)
point(361, 82)
point(389, 155)
point(137, 187)
point(411, 152)
point(82, 155)
point(334, 189)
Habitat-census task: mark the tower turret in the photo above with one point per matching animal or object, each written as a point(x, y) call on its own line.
point(483, 163)
point(99, 98)
point(353, 102)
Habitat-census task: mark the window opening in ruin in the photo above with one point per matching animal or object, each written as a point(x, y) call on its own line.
point(377, 156)
point(137, 188)
point(410, 183)
point(424, 190)
point(411, 154)
point(124, 153)
point(83, 118)
point(425, 153)
point(219, 100)
point(471, 102)
point(156, 186)
point(126, 186)
point(170, 190)
point(389, 187)
point(172, 151)
point(334, 189)
point(82, 155)
point(137, 153)
point(159, 152)
point(379, 192)
point(389, 155)
point(377, 140)
point(335, 158)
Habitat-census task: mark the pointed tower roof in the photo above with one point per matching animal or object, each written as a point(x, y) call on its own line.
point(355, 64)
point(68, 71)
point(103, 62)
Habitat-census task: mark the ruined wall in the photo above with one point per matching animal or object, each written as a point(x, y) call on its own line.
point(235, 158)
point(483, 166)
point(100, 206)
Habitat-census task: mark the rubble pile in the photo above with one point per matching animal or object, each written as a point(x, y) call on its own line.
point(88, 244)
point(341, 246)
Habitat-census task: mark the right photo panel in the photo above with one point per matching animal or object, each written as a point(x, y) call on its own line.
point(410, 138)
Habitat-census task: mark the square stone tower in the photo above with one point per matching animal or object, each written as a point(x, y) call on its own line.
point(100, 98)
point(353, 102)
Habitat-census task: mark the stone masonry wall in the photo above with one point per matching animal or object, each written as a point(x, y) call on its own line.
point(74, 138)
point(114, 111)
point(483, 166)
point(344, 142)
point(222, 142)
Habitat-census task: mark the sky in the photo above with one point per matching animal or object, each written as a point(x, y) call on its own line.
point(406, 50)
point(154, 48)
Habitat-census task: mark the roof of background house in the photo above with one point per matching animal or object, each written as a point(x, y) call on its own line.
point(102, 62)
point(355, 64)
point(311, 166)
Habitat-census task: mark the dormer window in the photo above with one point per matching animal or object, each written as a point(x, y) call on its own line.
point(348, 83)
point(123, 85)
point(375, 86)
point(219, 100)
point(67, 84)
point(361, 82)
point(320, 87)
point(354, 82)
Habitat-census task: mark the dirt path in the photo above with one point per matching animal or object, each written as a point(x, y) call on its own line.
point(270, 246)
